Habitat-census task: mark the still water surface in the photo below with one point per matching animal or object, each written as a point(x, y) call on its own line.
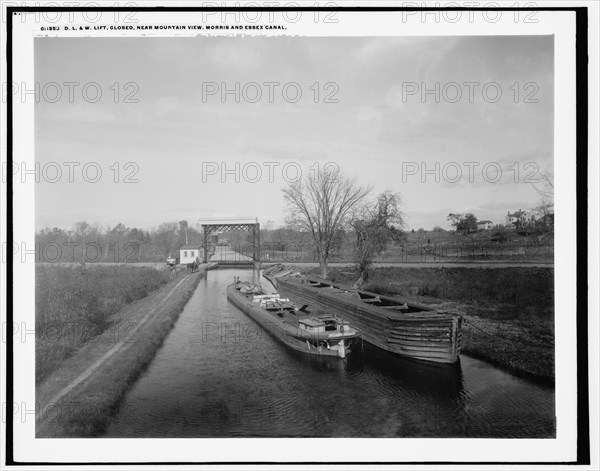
point(218, 374)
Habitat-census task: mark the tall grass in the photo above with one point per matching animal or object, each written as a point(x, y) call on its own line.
point(508, 311)
point(529, 288)
point(74, 306)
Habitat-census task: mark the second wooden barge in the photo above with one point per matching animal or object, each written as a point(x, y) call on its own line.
point(412, 330)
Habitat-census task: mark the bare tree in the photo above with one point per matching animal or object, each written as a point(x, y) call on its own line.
point(545, 209)
point(545, 189)
point(165, 236)
point(319, 203)
point(376, 225)
point(545, 185)
point(82, 229)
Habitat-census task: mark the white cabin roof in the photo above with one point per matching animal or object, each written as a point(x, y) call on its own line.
point(311, 321)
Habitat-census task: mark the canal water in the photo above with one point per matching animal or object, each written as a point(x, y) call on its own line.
point(219, 374)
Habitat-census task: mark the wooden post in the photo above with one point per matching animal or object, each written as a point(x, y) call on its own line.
point(454, 340)
point(257, 242)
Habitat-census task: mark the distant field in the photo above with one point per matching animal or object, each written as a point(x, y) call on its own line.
point(426, 247)
point(74, 306)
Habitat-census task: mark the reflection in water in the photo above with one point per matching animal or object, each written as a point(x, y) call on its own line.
point(219, 374)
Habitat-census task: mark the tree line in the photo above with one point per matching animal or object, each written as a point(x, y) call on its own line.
point(93, 243)
point(321, 209)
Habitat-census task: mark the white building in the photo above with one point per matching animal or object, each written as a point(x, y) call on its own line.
point(484, 225)
point(188, 253)
point(518, 218)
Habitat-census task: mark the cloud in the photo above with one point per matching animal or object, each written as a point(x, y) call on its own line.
point(369, 132)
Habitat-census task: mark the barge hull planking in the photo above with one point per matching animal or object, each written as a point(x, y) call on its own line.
point(421, 333)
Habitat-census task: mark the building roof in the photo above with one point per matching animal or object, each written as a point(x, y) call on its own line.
point(190, 246)
point(485, 222)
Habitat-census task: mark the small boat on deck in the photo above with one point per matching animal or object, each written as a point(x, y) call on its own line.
point(295, 326)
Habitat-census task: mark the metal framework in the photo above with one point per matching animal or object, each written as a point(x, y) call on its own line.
point(208, 229)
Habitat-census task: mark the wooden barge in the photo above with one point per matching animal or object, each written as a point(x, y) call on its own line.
point(412, 330)
point(295, 327)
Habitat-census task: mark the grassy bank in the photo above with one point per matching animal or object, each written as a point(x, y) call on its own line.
point(508, 312)
point(75, 306)
point(86, 410)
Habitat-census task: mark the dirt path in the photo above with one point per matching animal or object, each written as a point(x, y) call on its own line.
point(92, 380)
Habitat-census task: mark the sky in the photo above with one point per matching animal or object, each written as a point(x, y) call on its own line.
point(179, 145)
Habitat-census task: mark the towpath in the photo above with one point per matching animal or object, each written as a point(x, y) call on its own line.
point(67, 387)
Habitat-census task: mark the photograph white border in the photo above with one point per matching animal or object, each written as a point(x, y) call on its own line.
point(563, 448)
